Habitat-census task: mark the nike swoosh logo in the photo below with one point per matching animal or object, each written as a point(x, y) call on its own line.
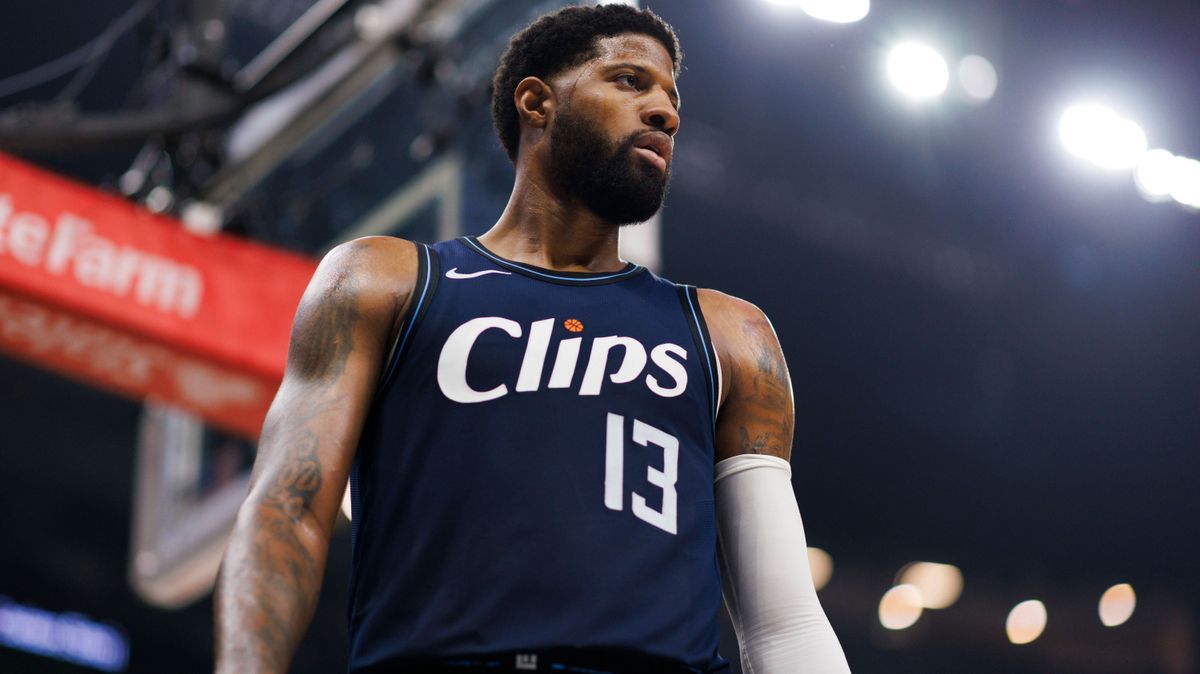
point(454, 273)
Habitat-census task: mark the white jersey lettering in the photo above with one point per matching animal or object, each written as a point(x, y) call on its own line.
point(631, 366)
point(530, 377)
point(456, 352)
point(452, 363)
point(671, 366)
point(564, 363)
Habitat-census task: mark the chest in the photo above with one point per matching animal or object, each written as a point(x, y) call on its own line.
point(520, 338)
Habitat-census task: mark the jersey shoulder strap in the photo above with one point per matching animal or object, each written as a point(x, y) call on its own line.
point(690, 302)
point(428, 269)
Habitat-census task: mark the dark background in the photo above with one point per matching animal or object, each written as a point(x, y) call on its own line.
point(993, 344)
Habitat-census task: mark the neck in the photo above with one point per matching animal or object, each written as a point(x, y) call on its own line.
point(546, 229)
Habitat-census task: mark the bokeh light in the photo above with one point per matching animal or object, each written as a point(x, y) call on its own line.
point(836, 11)
point(918, 71)
point(900, 607)
point(977, 76)
point(1185, 184)
point(940, 584)
point(1117, 604)
point(1101, 136)
point(1155, 175)
point(820, 564)
point(1026, 621)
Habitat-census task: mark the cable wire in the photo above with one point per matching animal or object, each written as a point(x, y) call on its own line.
point(91, 52)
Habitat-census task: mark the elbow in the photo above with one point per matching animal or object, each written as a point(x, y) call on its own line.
point(807, 646)
point(804, 621)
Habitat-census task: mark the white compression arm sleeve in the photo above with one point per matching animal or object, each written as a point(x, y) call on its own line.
point(768, 587)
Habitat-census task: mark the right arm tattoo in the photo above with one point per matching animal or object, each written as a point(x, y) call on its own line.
point(273, 568)
point(323, 336)
point(768, 395)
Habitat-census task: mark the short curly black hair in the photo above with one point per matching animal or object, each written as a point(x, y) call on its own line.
point(562, 40)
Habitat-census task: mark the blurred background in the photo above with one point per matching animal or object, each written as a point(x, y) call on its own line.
point(974, 224)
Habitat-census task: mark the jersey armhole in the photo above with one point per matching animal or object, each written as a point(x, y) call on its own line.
point(711, 366)
point(426, 284)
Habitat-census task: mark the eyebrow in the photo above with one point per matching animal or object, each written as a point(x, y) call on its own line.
point(672, 93)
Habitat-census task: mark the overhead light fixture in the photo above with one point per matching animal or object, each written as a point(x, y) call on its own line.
point(1185, 184)
point(977, 77)
point(917, 71)
point(1156, 175)
point(1098, 134)
point(835, 11)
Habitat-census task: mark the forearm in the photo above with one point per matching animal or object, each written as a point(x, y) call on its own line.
point(797, 639)
point(267, 589)
point(779, 621)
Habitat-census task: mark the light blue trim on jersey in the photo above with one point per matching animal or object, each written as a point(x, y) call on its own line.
point(355, 503)
point(416, 310)
point(502, 262)
point(712, 380)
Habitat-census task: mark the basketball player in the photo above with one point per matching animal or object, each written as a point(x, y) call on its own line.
point(555, 457)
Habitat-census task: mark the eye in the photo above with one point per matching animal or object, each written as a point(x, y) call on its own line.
point(628, 79)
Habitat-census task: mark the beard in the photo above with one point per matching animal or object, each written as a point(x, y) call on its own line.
point(603, 175)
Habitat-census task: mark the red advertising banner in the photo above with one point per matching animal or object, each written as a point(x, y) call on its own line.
point(100, 289)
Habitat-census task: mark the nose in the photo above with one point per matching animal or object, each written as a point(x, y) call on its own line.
point(662, 115)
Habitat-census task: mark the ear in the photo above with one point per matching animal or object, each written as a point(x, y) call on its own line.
point(535, 101)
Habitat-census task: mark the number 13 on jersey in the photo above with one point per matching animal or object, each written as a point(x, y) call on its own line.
point(614, 472)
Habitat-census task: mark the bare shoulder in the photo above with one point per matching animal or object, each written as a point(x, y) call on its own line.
point(377, 263)
point(740, 331)
point(377, 272)
point(723, 308)
point(756, 415)
point(717, 298)
point(352, 303)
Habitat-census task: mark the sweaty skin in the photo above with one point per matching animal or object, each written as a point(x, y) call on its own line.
point(272, 571)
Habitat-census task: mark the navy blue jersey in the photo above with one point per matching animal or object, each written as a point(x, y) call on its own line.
point(536, 472)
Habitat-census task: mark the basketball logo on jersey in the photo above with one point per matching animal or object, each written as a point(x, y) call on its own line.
point(456, 352)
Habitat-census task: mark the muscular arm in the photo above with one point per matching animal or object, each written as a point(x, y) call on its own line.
point(768, 587)
point(756, 412)
point(272, 570)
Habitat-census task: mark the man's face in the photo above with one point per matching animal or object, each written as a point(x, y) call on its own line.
point(612, 137)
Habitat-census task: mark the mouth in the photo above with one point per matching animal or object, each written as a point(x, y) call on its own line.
point(651, 157)
point(654, 148)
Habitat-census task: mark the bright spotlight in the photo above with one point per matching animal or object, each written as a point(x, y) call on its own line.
point(918, 71)
point(1185, 183)
point(820, 566)
point(1161, 175)
point(836, 11)
point(1116, 605)
point(940, 584)
point(1026, 621)
point(900, 607)
point(1155, 175)
point(1099, 135)
point(977, 77)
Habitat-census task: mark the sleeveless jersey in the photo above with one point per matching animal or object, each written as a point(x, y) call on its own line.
point(536, 472)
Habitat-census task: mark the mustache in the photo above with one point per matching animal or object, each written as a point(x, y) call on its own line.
point(628, 142)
